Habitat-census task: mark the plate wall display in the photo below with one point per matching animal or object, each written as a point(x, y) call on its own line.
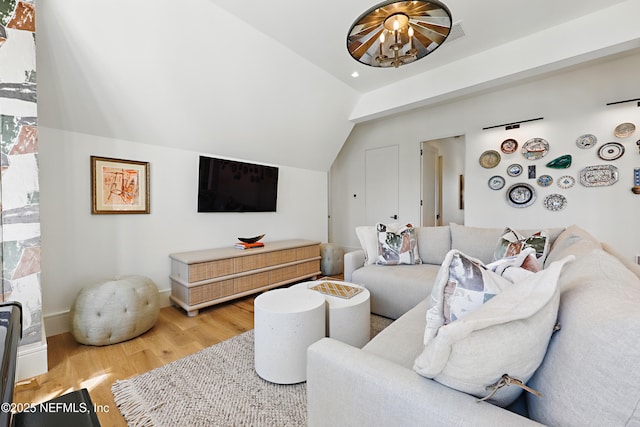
point(555, 202)
point(514, 169)
point(544, 180)
point(599, 175)
point(509, 146)
point(521, 195)
point(566, 181)
point(489, 159)
point(586, 141)
point(535, 148)
point(496, 182)
point(611, 151)
point(624, 130)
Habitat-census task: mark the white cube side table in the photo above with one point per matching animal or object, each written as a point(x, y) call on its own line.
point(348, 320)
point(287, 321)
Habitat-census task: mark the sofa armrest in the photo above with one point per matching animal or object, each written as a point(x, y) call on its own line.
point(347, 386)
point(352, 261)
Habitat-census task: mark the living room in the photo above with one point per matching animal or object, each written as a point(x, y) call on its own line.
point(106, 87)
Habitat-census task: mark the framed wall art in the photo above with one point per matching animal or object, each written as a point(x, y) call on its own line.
point(119, 186)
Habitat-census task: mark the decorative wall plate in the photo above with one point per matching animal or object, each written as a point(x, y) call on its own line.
point(611, 151)
point(496, 182)
point(544, 180)
point(535, 148)
point(514, 169)
point(555, 202)
point(586, 141)
point(598, 176)
point(489, 159)
point(521, 195)
point(509, 146)
point(566, 181)
point(624, 130)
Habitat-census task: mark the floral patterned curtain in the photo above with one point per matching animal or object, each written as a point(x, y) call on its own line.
point(19, 187)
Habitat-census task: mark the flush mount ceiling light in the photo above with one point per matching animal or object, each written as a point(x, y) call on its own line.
point(395, 33)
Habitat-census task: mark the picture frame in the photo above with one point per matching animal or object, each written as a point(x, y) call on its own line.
point(119, 186)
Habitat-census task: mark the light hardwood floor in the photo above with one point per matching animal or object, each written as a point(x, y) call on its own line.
point(73, 366)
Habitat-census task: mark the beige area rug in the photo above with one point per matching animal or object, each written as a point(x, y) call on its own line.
point(217, 386)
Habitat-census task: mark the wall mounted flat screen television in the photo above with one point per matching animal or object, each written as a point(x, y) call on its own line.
point(231, 186)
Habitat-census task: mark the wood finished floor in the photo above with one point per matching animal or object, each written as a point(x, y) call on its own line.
point(73, 366)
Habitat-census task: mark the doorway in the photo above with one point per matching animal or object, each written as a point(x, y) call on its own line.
point(442, 174)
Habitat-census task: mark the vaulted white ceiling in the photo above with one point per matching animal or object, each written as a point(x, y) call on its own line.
point(271, 81)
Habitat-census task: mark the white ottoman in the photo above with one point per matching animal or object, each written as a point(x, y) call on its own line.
point(348, 320)
point(287, 321)
point(115, 310)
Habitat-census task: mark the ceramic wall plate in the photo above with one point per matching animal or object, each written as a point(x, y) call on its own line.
point(544, 180)
point(566, 181)
point(555, 202)
point(514, 169)
point(521, 195)
point(586, 141)
point(489, 159)
point(611, 151)
point(624, 130)
point(496, 182)
point(535, 148)
point(599, 175)
point(509, 146)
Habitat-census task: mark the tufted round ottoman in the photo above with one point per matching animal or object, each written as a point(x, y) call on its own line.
point(114, 311)
point(332, 259)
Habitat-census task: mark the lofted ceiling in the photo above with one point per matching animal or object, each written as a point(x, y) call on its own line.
point(271, 81)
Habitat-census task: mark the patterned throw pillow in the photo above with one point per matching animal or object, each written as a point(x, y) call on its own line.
point(513, 242)
point(397, 245)
point(468, 285)
point(506, 333)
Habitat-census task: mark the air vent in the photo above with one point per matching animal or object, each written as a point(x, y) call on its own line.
point(456, 32)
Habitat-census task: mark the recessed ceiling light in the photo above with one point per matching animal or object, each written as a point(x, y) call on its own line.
point(355, 74)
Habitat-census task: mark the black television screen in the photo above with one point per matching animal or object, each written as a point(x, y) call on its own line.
point(230, 186)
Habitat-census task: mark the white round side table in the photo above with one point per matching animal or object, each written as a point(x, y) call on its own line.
point(348, 319)
point(287, 321)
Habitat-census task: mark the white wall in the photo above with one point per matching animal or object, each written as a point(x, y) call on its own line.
point(79, 248)
point(572, 103)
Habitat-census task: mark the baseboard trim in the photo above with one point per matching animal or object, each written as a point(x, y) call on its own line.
point(59, 323)
point(32, 359)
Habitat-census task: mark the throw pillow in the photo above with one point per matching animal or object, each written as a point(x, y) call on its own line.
point(368, 237)
point(397, 245)
point(467, 285)
point(516, 267)
point(513, 242)
point(508, 334)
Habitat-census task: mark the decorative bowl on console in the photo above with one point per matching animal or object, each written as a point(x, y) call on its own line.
point(251, 239)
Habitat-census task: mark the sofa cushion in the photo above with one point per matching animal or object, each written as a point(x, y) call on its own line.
point(397, 244)
point(405, 333)
point(395, 289)
point(589, 376)
point(433, 243)
point(478, 242)
point(470, 354)
point(512, 242)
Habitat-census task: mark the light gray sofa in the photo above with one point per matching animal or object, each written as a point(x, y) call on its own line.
point(589, 376)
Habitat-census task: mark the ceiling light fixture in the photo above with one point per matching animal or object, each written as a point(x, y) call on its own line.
point(395, 33)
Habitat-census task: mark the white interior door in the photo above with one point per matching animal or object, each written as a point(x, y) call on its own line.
point(381, 185)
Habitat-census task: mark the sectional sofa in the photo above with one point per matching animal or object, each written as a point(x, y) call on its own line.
point(588, 374)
